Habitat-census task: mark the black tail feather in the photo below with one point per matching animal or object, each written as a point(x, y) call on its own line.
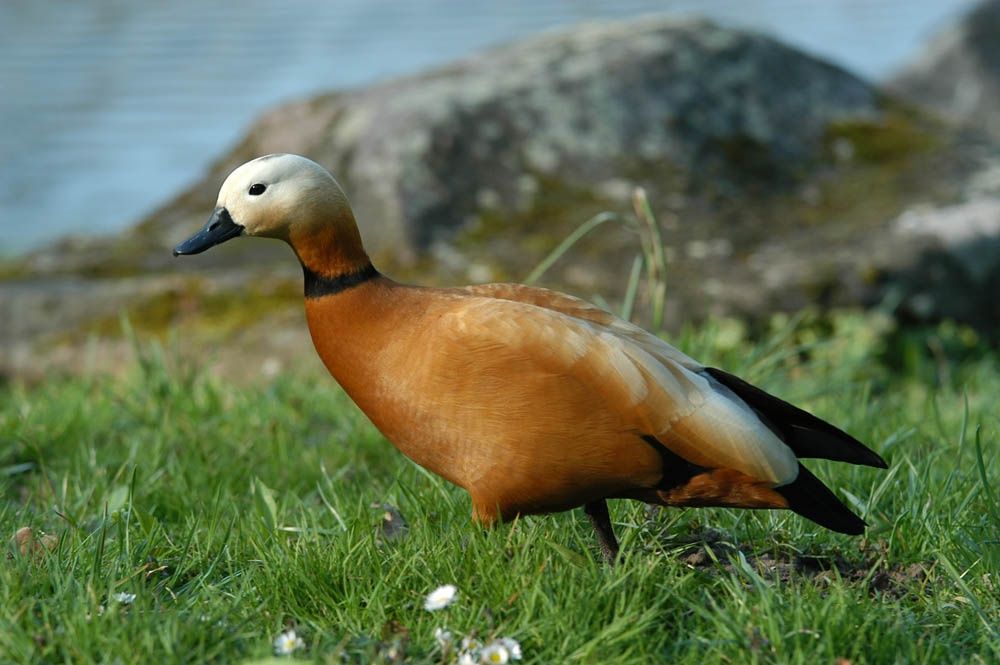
point(805, 434)
point(810, 498)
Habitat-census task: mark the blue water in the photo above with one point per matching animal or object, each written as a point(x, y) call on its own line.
point(109, 107)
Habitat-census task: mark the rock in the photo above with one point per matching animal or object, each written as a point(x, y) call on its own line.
point(959, 73)
point(957, 275)
point(392, 525)
point(967, 231)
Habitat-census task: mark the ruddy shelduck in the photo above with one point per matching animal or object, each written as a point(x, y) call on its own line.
point(531, 400)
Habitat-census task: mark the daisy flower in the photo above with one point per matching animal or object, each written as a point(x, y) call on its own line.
point(124, 598)
point(494, 653)
point(441, 597)
point(468, 651)
point(287, 642)
point(512, 646)
point(469, 644)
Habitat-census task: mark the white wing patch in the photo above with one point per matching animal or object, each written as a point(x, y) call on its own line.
point(740, 440)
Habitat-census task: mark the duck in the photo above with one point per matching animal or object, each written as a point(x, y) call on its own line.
point(531, 400)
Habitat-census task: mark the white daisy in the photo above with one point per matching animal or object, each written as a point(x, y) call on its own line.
point(287, 642)
point(513, 647)
point(124, 598)
point(441, 597)
point(494, 653)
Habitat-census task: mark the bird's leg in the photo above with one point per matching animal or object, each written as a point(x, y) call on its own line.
point(597, 511)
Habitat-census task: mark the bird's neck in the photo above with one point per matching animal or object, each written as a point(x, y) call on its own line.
point(330, 253)
point(341, 286)
point(340, 283)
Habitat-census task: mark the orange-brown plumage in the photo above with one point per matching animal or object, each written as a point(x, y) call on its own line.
point(532, 401)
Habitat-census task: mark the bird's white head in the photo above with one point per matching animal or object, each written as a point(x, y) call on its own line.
point(275, 196)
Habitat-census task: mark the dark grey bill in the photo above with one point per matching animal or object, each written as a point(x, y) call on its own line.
point(219, 229)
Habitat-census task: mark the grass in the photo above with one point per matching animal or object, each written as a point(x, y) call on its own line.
point(234, 512)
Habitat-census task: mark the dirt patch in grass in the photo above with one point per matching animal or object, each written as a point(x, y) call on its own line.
point(709, 551)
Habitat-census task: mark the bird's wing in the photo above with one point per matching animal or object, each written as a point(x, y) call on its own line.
point(652, 387)
point(581, 309)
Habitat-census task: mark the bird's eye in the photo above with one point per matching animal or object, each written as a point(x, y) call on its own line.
point(257, 189)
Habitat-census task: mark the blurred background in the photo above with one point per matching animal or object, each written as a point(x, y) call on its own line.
point(110, 107)
point(796, 153)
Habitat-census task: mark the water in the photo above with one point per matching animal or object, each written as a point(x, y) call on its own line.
point(110, 107)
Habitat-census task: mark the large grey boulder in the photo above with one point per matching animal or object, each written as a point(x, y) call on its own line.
point(536, 135)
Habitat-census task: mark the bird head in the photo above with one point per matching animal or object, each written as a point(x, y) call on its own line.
point(275, 196)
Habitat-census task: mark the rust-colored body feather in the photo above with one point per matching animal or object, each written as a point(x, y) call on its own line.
point(526, 398)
